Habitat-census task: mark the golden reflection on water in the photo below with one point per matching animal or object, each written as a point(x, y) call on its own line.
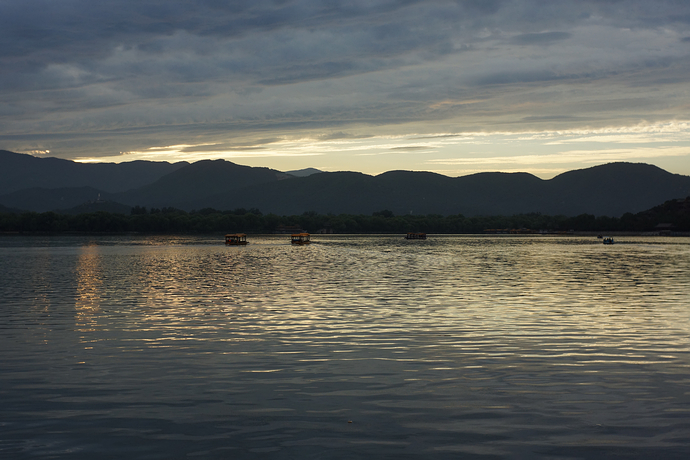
point(89, 288)
point(450, 342)
point(498, 296)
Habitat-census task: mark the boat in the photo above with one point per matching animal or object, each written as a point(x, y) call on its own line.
point(607, 240)
point(236, 239)
point(300, 238)
point(415, 236)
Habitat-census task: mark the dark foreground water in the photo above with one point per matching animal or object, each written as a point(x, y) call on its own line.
point(353, 347)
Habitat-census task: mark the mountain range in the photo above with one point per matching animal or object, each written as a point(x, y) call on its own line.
point(51, 184)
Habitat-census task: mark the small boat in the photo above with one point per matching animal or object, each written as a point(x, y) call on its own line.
point(415, 236)
point(300, 238)
point(236, 239)
point(607, 240)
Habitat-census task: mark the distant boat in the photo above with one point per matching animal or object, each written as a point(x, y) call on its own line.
point(415, 236)
point(300, 238)
point(236, 239)
point(608, 240)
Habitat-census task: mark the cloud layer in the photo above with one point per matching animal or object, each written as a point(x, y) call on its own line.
point(91, 79)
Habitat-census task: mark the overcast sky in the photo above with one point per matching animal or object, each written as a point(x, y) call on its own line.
point(455, 87)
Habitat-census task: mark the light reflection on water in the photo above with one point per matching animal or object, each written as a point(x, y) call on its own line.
point(486, 347)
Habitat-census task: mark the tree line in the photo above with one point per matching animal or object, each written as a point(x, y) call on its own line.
point(171, 220)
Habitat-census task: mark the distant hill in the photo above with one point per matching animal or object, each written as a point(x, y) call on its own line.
point(402, 192)
point(153, 184)
point(607, 190)
point(303, 172)
point(191, 185)
point(613, 189)
point(610, 190)
point(19, 171)
point(348, 193)
point(40, 199)
point(673, 215)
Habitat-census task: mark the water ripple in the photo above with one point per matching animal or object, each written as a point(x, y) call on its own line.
point(367, 346)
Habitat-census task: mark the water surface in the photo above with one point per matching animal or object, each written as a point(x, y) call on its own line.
point(352, 347)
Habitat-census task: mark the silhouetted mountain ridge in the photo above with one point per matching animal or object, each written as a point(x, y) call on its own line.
point(607, 190)
point(19, 171)
point(194, 183)
point(611, 190)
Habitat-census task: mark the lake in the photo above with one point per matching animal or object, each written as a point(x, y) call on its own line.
point(356, 346)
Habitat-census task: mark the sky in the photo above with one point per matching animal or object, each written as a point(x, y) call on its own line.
point(455, 87)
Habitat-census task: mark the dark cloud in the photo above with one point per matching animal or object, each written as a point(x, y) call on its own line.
point(543, 38)
point(556, 118)
point(85, 68)
point(485, 6)
point(519, 77)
